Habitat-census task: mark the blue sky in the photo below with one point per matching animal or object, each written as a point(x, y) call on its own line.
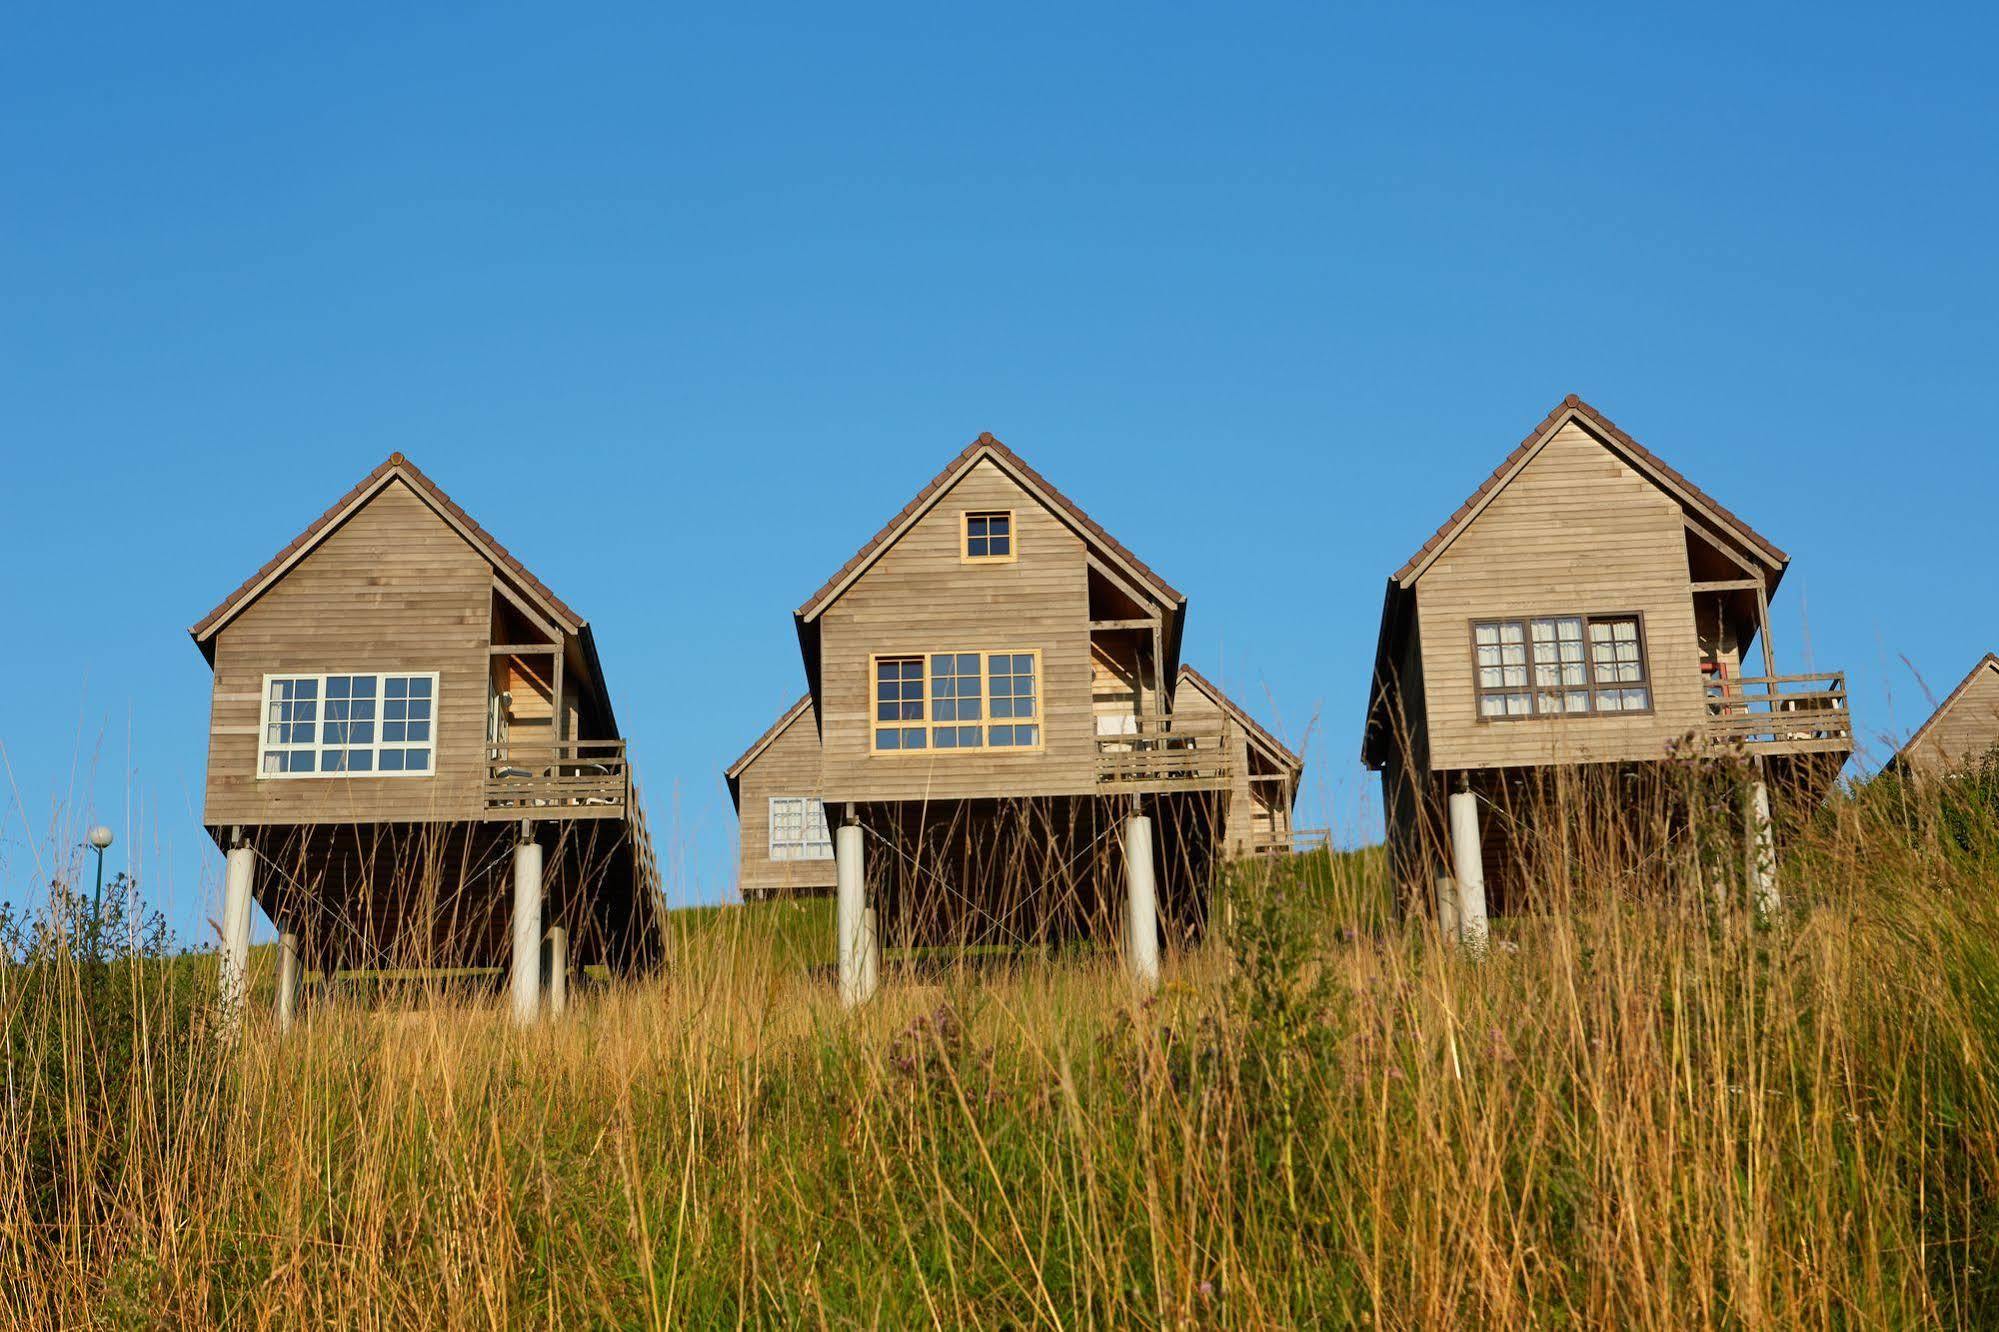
point(681, 308)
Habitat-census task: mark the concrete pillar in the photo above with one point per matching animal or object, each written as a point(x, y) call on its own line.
point(1141, 894)
point(858, 949)
point(1447, 908)
point(558, 970)
point(526, 987)
point(239, 882)
point(287, 979)
point(1468, 863)
point(871, 953)
point(1762, 851)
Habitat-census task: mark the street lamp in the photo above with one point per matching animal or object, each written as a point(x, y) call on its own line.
point(100, 838)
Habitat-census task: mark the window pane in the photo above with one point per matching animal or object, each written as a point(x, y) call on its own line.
point(416, 760)
point(392, 760)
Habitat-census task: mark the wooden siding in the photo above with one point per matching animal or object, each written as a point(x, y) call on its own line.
point(919, 598)
point(1576, 532)
point(395, 588)
point(1965, 728)
point(1192, 704)
point(788, 766)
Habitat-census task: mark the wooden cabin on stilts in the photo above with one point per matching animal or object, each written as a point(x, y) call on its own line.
point(1588, 610)
point(998, 747)
point(414, 764)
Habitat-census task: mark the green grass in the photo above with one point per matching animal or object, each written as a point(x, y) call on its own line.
point(1651, 1111)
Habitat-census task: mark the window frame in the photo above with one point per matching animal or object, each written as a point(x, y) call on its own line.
point(805, 847)
point(929, 721)
point(965, 555)
point(1589, 685)
point(319, 746)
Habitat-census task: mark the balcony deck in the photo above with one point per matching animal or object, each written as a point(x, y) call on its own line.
point(576, 779)
point(1782, 714)
point(1163, 755)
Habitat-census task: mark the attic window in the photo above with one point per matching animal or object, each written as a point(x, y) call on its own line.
point(989, 536)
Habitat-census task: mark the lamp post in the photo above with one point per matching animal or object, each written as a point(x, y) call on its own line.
point(100, 838)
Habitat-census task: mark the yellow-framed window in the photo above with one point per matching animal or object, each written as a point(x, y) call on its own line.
point(989, 536)
point(898, 708)
point(956, 701)
point(1013, 684)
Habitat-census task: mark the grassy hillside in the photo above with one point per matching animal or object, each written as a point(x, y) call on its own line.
point(1641, 1108)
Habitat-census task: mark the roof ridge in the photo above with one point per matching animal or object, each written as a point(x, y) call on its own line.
point(314, 531)
point(1573, 403)
point(988, 443)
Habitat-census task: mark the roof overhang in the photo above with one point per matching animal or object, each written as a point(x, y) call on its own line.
point(395, 469)
point(733, 774)
point(1989, 662)
point(1702, 508)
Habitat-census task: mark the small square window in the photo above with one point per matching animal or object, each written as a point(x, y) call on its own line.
point(989, 535)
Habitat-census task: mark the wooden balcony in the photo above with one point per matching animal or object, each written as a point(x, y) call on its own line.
point(1165, 755)
point(1782, 714)
point(1296, 842)
point(576, 779)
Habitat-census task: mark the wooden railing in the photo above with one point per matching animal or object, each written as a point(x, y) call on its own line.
point(1165, 755)
point(1786, 713)
point(582, 778)
point(1296, 842)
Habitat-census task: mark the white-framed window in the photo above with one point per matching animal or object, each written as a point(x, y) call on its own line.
point(349, 723)
point(798, 829)
point(974, 700)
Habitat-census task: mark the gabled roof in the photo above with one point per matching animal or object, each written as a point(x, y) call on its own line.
point(1989, 662)
point(1279, 750)
point(763, 742)
point(1643, 459)
point(985, 446)
point(394, 468)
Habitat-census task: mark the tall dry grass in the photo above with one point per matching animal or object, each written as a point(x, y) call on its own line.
point(1643, 1108)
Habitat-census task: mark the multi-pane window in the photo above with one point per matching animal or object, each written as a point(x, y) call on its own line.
point(1617, 665)
point(956, 703)
point(1560, 665)
point(989, 536)
point(1016, 701)
point(974, 700)
point(798, 829)
point(898, 703)
point(333, 725)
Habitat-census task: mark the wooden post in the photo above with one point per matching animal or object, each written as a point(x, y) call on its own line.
point(557, 941)
point(526, 977)
point(239, 890)
point(288, 968)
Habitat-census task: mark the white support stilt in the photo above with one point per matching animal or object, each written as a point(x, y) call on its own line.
point(1468, 864)
point(239, 885)
point(1141, 893)
point(558, 970)
point(1447, 908)
point(1762, 852)
point(871, 954)
point(287, 979)
point(858, 949)
point(526, 978)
